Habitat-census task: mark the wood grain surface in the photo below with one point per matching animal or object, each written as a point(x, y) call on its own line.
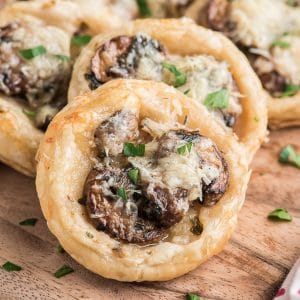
point(252, 265)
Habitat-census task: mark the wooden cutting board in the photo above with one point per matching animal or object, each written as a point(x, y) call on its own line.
point(252, 266)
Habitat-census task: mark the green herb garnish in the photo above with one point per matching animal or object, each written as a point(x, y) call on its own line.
point(185, 148)
point(33, 52)
point(280, 214)
point(29, 113)
point(81, 40)
point(62, 57)
point(64, 270)
point(60, 249)
point(281, 44)
point(133, 174)
point(292, 3)
point(130, 149)
point(29, 222)
point(288, 155)
point(180, 79)
point(144, 8)
point(197, 227)
point(191, 296)
point(10, 267)
point(122, 193)
point(290, 90)
point(187, 91)
point(218, 99)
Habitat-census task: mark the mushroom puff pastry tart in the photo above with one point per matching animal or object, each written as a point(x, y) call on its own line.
point(268, 32)
point(208, 68)
point(34, 75)
point(139, 183)
point(97, 15)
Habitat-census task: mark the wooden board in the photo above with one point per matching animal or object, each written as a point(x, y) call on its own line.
point(252, 265)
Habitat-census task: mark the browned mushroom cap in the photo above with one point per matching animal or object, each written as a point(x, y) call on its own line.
point(114, 132)
point(120, 57)
point(107, 56)
point(37, 83)
point(117, 215)
point(209, 156)
point(217, 16)
point(163, 205)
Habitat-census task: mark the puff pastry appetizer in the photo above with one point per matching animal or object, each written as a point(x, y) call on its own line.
point(34, 74)
point(268, 32)
point(208, 68)
point(162, 182)
point(97, 15)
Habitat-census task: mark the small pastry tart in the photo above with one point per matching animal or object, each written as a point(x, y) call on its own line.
point(35, 69)
point(160, 182)
point(97, 15)
point(269, 34)
point(208, 68)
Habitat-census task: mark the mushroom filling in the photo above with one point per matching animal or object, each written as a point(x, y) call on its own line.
point(268, 32)
point(201, 77)
point(148, 177)
point(168, 8)
point(33, 68)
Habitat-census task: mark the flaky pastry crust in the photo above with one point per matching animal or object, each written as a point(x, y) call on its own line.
point(282, 112)
point(173, 34)
point(66, 156)
point(97, 15)
point(19, 137)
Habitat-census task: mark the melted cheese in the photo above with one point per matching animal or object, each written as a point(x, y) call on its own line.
point(204, 75)
point(259, 23)
point(287, 61)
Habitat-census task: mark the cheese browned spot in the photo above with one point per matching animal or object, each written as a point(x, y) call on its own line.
point(143, 57)
point(180, 169)
point(38, 81)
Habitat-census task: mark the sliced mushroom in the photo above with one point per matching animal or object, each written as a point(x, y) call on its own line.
point(208, 158)
point(114, 132)
point(120, 58)
point(113, 214)
point(40, 80)
point(217, 14)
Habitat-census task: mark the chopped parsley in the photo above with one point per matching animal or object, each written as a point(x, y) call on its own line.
point(122, 193)
point(33, 52)
point(180, 79)
point(60, 249)
point(10, 267)
point(81, 40)
point(292, 3)
point(62, 57)
point(29, 222)
point(144, 8)
point(133, 174)
point(185, 148)
point(89, 235)
point(280, 214)
point(290, 90)
point(29, 113)
point(130, 149)
point(218, 99)
point(288, 155)
point(191, 296)
point(64, 270)
point(281, 44)
point(197, 227)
